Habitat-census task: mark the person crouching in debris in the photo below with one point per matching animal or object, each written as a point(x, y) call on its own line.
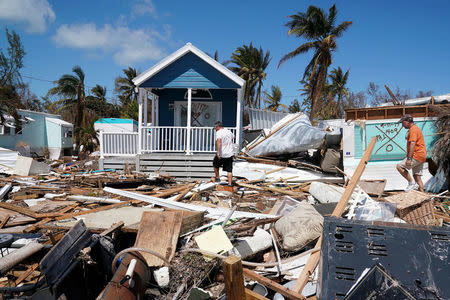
point(224, 155)
point(416, 154)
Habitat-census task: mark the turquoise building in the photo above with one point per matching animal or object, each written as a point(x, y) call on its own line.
point(390, 148)
point(39, 132)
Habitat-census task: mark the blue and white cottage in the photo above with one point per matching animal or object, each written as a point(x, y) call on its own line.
point(189, 91)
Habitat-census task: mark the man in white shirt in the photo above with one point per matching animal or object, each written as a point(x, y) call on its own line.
point(224, 155)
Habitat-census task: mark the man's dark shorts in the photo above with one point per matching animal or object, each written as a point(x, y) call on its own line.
point(225, 163)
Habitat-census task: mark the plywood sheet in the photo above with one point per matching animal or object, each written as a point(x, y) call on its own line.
point(159, 231)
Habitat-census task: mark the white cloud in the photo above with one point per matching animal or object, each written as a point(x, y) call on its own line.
point(127, 45)
point(36, 14)
point(144, 7)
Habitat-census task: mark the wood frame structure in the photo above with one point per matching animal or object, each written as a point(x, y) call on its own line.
point(390, 112)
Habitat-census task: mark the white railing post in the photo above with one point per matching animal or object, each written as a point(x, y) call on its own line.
point(139, 148)
point(188, 118)
point(145, 96)
point(100, 137)
point(240, 96)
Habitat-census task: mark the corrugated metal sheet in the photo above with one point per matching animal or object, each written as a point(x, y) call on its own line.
point(260, 119)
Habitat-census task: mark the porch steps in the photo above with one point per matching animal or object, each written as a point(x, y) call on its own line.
point(197, 166)
point(179, 165)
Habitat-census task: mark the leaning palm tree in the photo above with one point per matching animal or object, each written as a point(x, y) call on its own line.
point(250, 64)
point(319, 29)
point(125, 87)
point(273, 99)
point(71, 88)
point(338, 88)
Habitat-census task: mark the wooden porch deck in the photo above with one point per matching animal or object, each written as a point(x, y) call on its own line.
point(179, 165)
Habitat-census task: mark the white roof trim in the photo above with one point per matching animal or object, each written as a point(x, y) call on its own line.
point(59, 122)
point(179, 53)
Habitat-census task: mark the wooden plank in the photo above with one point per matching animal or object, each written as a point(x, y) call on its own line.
point(251, 295)
point(183, 193)
point(170, 192)
point(27, 273)
point(234, 278)
point(272, 189)
point(24, 197)
point(33, 227)
point(4, 221)
point(112, 229)
point(338, 210)
point(275, 170)
point(22, 210)
point(273, 285)
point(394, 99)
point(159, 231)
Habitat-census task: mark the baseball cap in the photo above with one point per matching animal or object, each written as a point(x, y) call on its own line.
point(406, 117)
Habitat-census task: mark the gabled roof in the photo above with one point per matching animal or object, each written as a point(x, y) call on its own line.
point(179, 53)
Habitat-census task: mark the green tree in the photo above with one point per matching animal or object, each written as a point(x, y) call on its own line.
point(250, 64)
point(88, 138)
point(98, 104)
point(11, 63)
point(320, 31)
point(125, 88)
point(273, 99)
point(72, 89)
point(338, 88)
point(294, 107)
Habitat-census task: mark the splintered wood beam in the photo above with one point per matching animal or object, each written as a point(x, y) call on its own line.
point(184, 192)
point(394, 99)
point(275, 170)
point(234, 279)
point(169, 192)
point(112, 228)
point(35, 226)
point(4, 221)
point(273, 285)
point(27, 273)
point(272, 189)
point(22, 210)
point(313, 260)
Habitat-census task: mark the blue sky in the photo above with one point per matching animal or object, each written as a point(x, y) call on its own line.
point(401, 43)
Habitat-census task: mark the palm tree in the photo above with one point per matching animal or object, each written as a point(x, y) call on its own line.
point(71, 87)
point(338, 88)
point(88, 138)
point(319, 29)
point(250, 65)
point(273, 100)
point(125, 87)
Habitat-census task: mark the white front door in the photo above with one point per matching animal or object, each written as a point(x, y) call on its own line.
point(203, 114)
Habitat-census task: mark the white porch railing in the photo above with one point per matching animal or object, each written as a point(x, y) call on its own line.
point(118, 143)
point(163, 139)
point(160, 139)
